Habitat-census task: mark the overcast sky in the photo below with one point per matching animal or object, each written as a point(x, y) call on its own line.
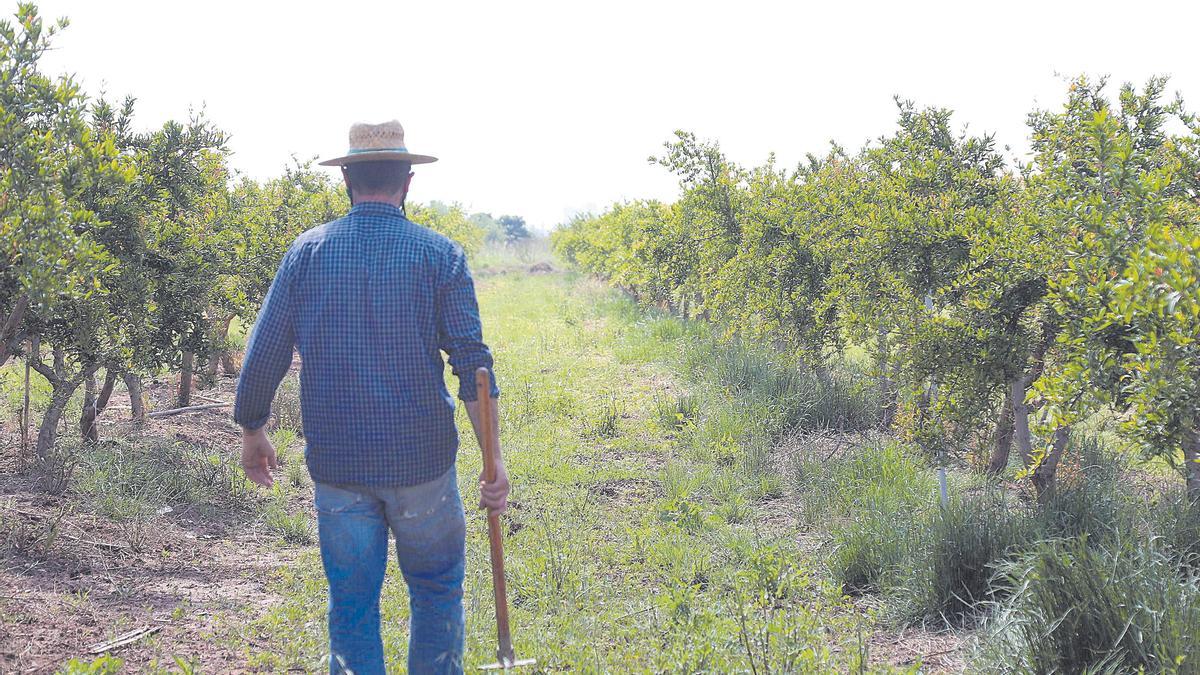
point(546, 109)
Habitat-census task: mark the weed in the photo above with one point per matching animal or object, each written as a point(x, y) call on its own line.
point(54, 471)
point(676, 412)
point(283, 438)
point(606, 422)
point(734, 510)
point(285, 409)
point(1176, 524)
point(127, 479)
point(293, 528)
point(871, 549)
point(952, 573)
point(1082, 608)
point(685, 515)
point(681, 481)
point(767, 486)
point(880, 475)
point(297, 475)
point(34, 537)
point(1088, 499)
point(102, 665)
point(667, 329)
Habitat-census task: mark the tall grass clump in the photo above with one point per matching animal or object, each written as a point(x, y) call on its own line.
point(285, 409)
point(1089, 498)
point(954, 572)
point(1175, 521)
point(795, 397)
point(674, 412)
point(1077, 607)
point(871, 549)
point(873, 495)
point(880, 475)
point(131, 477)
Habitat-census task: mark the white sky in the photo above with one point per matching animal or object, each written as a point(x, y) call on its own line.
point(549, 108)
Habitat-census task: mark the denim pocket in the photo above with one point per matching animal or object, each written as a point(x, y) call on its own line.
point(334, 499)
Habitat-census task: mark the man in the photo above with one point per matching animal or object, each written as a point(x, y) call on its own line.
point(370, 301)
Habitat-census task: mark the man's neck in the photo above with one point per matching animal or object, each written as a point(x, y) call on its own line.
point(395, 200)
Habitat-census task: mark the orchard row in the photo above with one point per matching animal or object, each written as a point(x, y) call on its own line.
point(125, 253)
point(1000, 304)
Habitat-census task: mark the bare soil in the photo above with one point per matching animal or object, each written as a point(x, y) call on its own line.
point(72, 579)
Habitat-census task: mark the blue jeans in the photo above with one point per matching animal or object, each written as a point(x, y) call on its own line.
point(430, 529)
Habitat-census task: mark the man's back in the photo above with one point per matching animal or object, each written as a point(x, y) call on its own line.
point(370, 300)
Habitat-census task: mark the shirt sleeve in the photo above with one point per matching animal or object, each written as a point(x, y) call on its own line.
point(460, 332)
point(268, 352)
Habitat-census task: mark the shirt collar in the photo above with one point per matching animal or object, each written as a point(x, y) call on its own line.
point(376, 208)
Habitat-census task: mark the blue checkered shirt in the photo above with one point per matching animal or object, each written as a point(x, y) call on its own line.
point(370, 301)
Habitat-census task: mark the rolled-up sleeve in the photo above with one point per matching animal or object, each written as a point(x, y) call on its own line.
point(268, 352)
point(460, 332)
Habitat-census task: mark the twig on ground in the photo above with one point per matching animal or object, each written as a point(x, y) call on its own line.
point(186, 409)
point(101, 544)
point(124, 639)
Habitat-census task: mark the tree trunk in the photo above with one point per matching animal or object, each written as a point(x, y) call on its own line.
point(49, 428)
point(1020, 410)
point(10, 330)
point(59, 398)
point(1004, 437)
point(63, 386)
point(222, 354)
point(94, 405)
point(228, 364)
point(210, 369)
point(1191, 458)
point(1046, 474)
point(137, 400)
point(185, 379)
point(87, 418)
point(885, 381)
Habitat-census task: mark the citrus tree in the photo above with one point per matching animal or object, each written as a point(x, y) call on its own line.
point(46, 154)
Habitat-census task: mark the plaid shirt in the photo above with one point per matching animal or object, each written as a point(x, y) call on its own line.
point(370, 300)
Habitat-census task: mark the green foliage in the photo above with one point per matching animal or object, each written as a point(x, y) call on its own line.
point(292, 525)
point(1077, 608)
point(952, 574)
point(513, 227)
point(450, 220)
point(51, 157)
point(101, 665)
point(971, 286)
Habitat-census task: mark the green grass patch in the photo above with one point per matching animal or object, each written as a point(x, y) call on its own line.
point(626, 551)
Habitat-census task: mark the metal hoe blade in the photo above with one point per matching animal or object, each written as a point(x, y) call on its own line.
point(509, 664)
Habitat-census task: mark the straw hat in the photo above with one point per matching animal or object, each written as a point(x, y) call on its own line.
point(378, 143)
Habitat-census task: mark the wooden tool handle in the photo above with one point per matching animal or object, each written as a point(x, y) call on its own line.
point(491, 443)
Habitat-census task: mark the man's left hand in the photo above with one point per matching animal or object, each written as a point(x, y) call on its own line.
point(494, 496)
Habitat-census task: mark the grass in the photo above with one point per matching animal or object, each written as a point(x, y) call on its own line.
point(668, 574)
point(125, 480)
point(1079, 608)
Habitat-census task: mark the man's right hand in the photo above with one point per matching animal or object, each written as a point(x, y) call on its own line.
point(494, 496)
point(258, 456)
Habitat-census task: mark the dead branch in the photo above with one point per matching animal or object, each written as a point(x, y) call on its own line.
point(186, 409)
point(124, 639)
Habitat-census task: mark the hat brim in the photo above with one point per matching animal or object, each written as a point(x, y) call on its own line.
point(380, 156)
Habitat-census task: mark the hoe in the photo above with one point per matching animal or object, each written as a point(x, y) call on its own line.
point(487, 412)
